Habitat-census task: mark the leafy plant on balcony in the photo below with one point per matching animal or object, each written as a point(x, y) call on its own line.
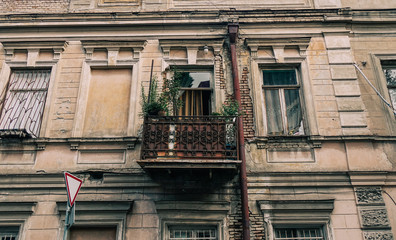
point(153, 103)
point(230, 108)
point(171, 90)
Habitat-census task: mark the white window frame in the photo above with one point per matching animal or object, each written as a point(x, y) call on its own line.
point(280, 60)
point(281, 89)
point(166, 224)
point(301, 227)
point(193, 228)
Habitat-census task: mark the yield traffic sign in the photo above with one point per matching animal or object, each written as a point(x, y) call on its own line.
point(73, 185)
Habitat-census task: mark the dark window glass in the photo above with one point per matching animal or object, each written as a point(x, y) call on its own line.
point(279, 77)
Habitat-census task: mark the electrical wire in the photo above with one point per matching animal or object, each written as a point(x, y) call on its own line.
point(375, 89)
point(393, 200)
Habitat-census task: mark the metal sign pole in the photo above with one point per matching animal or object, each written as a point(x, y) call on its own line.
point(73, 185)
point(66, 221)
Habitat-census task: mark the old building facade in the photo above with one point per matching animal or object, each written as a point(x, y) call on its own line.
point(317, 81)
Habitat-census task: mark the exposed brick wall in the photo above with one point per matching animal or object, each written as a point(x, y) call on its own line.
point(220, 72)
point(246, 104)
point(257, 226)
point(235, 224)
point(34, 6)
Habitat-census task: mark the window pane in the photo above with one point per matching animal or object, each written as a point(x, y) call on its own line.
point(293, 112)
point(192, 233)
point(299, 234)
point(279, 77)
point(392, 93)
point(194, 79)
point(274, 112)
point(390, 75)
point(9, 233)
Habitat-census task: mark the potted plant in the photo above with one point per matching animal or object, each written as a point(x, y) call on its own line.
point(153, 104)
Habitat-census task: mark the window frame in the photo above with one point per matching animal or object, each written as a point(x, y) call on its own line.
point(32, 50)
point(166, 224)
point(196, 69)
point(194, 228)
point(7, 91)
point(379, 81)
point(322, 228)
point(386, 66)
point(3, 234)
point(281, 95)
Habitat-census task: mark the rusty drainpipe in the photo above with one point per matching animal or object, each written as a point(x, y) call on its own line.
point(233, 34)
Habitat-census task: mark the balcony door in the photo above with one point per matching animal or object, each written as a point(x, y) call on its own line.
point(196, 93)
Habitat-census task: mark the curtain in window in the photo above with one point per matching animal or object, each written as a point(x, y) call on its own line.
point(195, 103)
point(274, 112)
point(293, 112)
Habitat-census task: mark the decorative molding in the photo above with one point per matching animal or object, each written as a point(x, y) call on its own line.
point(313, 211)
point(40, 146)
point(374, 218)
point(287, 143)
point(378, 235)
point(112, 48)
point(192, 46)
point(278, 45)
point(33, 48)
point(369, 195)
point(16, 208)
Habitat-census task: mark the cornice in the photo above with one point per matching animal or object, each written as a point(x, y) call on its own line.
point(263, 179)
point(345, 138)
point(173, 17)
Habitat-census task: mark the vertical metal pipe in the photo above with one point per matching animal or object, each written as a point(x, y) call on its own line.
point(233, 32)
point(151, 80)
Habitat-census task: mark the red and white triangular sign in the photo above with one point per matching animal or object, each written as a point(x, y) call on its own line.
point(73, 185)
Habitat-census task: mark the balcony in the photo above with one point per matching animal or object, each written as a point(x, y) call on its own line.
point(189, 142)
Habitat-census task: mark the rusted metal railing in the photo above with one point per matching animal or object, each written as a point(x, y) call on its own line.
point(190, 137)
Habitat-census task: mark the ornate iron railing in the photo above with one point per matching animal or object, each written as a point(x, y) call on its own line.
point(190, 137)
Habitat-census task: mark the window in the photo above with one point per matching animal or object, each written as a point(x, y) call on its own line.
point(298, 233)
point(192, 233)
point(282, 102)
point(23, 105)
point(9, 233)
point(390, 75)
point(195, 93)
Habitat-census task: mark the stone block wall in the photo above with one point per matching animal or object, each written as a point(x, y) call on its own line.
point(34, 6)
